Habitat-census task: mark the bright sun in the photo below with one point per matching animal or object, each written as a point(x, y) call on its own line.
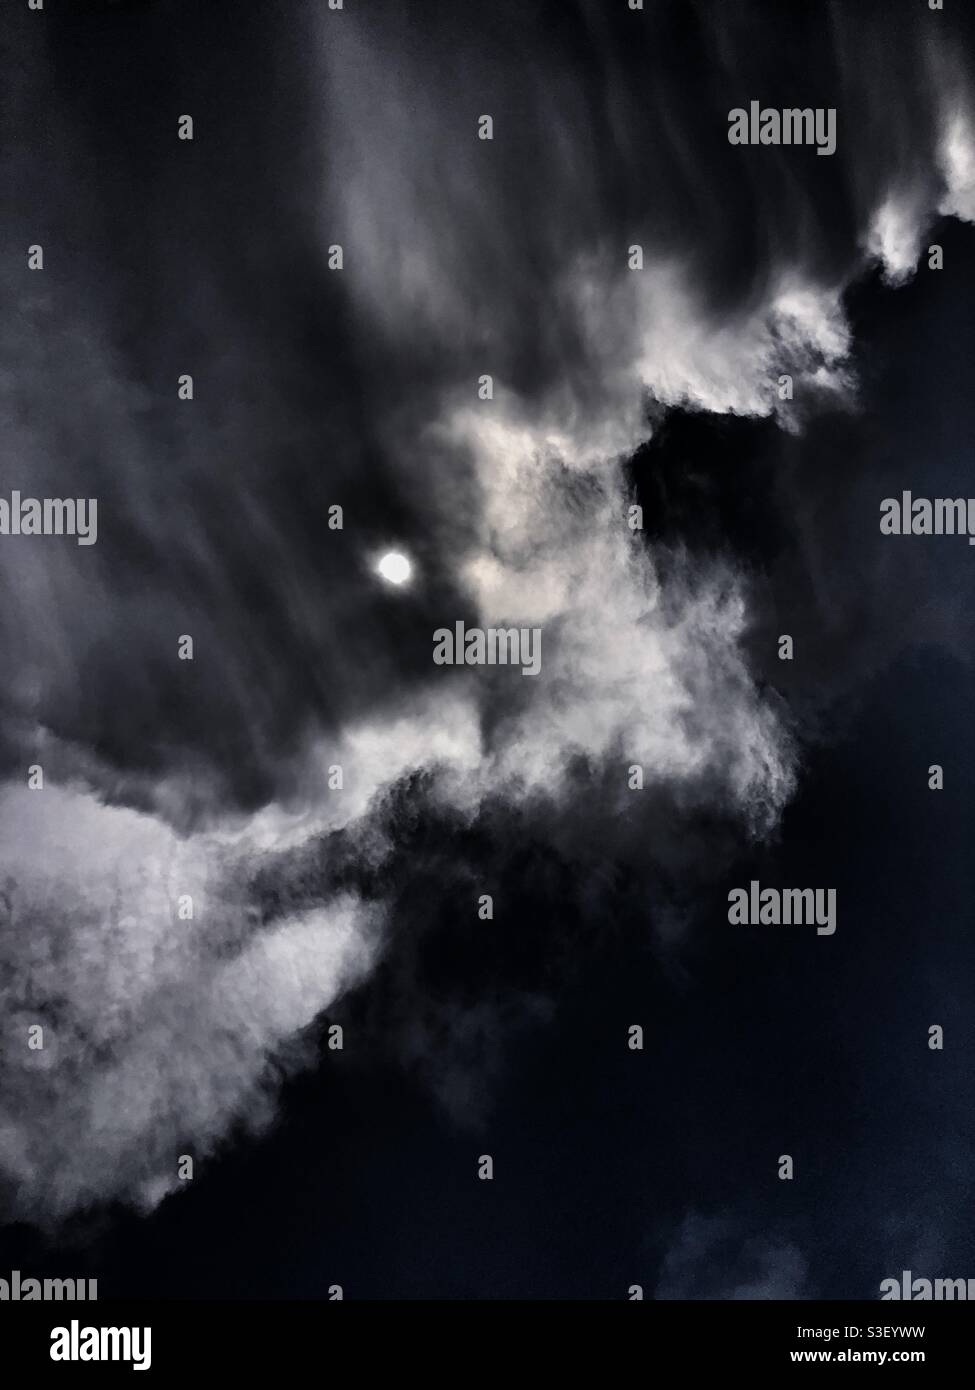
point(394, 568)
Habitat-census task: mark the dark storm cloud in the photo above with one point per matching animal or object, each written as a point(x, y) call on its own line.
point(358, 388)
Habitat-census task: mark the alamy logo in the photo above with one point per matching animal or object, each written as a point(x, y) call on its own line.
point(791, 126)
point(495, 646)
point(50, 516)
point(76, 1343)
point(925, 516)
point(919, 1290)
point(757, 906)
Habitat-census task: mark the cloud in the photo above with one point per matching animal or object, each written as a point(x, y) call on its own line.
point(895, 237)
point(159, 1033)
point(359, 388)
point(716, 1257)
point(957, 158)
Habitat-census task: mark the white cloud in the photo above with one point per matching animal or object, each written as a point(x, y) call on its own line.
point(958, 166)
point(158, 1032)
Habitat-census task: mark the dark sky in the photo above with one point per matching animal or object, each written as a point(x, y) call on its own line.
point(315, 387)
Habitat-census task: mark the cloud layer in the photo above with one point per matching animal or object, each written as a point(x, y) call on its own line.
point(359, 388)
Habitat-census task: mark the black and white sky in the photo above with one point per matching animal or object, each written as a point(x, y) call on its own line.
point(614, 387)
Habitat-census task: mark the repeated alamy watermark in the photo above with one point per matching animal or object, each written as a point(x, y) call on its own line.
point(789, 907)
point(50, 516)
point(493, 646)
point(921, 1290)
point(928, 516)
point(18, 1289)
point(791, 126)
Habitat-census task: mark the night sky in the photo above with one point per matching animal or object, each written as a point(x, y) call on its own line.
point(613, 388)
